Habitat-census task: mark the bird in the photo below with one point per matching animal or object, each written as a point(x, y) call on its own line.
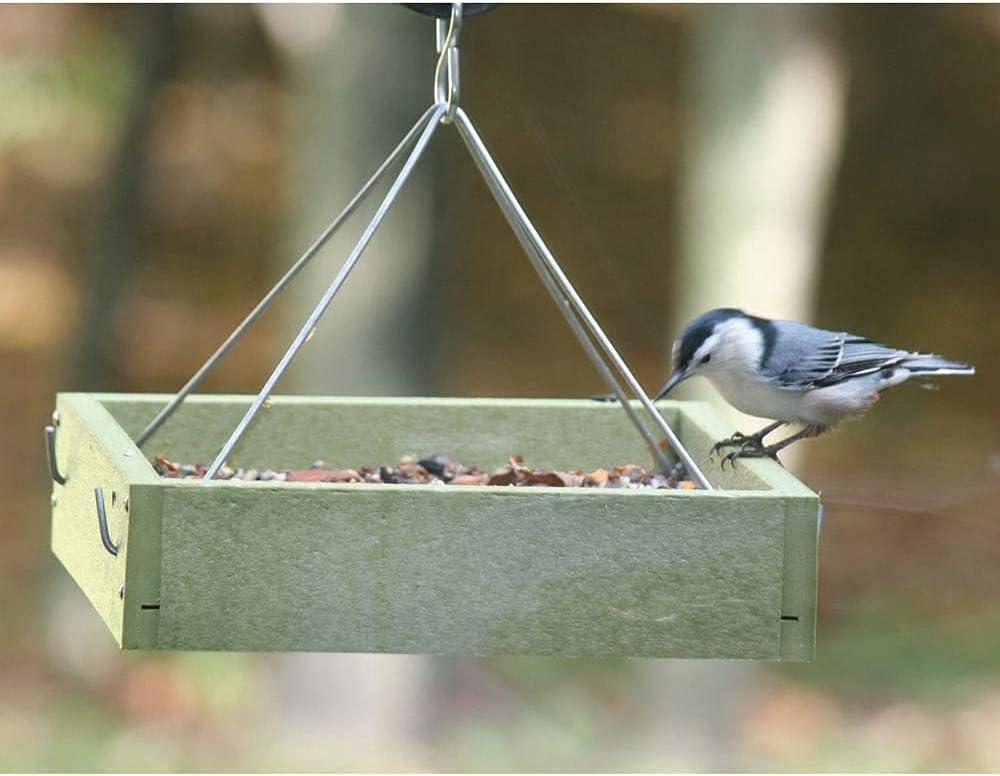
point(791, 373)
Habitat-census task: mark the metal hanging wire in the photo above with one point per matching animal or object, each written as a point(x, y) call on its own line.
point(280, 286)
point(446, 110)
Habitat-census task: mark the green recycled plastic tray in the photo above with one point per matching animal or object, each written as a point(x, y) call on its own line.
point(279, 566)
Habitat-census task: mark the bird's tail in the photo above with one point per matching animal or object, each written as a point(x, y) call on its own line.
point(926, 364)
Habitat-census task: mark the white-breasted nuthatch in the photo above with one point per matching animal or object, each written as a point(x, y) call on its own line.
point(792, 373)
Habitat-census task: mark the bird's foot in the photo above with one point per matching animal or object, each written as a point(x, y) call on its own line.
point(742, 441)
point(770, 451)
point(759, 451)
point(745, 442)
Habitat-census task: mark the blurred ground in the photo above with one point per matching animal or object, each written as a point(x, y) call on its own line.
point(145, 201)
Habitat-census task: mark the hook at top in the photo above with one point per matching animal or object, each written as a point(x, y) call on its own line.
point(446, 79)
point(443, 10)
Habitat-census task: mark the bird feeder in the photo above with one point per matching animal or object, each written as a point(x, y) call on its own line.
point(724, 571)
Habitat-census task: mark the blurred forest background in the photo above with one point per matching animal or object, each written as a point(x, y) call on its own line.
point(161, 166)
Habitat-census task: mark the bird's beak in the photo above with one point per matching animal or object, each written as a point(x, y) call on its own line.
point(675, 378)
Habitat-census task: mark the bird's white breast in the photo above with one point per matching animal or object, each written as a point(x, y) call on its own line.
point(735, 372)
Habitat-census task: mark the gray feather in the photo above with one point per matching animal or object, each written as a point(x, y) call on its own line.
point(816, 358)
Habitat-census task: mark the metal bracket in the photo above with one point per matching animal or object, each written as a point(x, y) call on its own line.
point(102, 522)
point(50, 447)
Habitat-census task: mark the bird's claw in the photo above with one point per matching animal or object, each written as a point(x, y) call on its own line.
point(748, 451)
point(742, 441)
point(731, 458)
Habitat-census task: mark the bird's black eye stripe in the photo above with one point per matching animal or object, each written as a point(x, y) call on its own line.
point(705, 359)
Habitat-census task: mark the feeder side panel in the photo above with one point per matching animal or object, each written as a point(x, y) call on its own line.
point(463, 571)
point(142, 576)
point(701, 427)
point(798, 635)
point(89, 447)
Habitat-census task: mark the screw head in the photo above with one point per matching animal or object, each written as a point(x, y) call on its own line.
point(121, 592)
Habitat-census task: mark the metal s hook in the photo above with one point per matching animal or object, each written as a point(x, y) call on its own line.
point(446, 73)
point(102, 522)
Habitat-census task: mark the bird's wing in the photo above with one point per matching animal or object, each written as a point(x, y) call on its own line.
point(836, 357)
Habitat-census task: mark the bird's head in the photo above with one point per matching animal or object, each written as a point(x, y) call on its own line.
point(699, 342)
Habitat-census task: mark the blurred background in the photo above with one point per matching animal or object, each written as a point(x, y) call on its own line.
point(161, 166)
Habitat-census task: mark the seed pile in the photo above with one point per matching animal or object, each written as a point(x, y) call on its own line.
point(439, 470)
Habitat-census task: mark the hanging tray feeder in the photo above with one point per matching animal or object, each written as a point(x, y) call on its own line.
point(724, 571)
